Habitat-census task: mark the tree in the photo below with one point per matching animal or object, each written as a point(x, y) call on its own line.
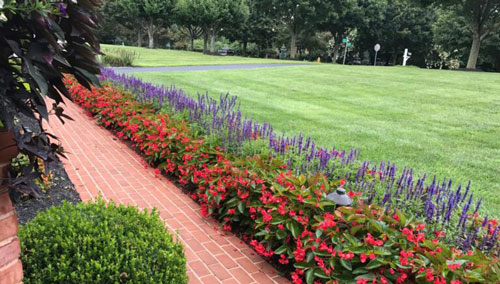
point(155, 14)
point(491, 50)
point(482, 18)
point(121, 13)
point(217, 14)
point(260, 27)
point(342, 17)
point(395, 25)
point(138, 16)
point(296, 16)
point(451, 35)
point(187, 14)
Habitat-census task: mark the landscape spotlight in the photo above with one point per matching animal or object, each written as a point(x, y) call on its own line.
point(340, 197)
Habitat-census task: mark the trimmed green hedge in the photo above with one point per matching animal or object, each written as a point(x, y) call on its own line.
point(100, 243)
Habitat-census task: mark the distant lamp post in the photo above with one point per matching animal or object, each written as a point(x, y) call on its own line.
point(340, 197)
point(376, 48)
point(283, 52)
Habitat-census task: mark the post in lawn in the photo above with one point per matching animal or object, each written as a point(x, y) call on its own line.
point(406, 56)
point(376, 48)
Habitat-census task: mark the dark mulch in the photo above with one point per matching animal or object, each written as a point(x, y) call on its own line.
point(59, 190)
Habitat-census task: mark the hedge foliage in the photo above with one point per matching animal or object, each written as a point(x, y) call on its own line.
point(287, 218)
point(100, 243)
point(118, 58)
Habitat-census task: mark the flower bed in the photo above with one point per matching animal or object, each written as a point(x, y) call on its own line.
point(284, 216)
point(222, 124)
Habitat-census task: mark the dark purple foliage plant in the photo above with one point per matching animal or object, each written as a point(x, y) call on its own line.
point(40, 41)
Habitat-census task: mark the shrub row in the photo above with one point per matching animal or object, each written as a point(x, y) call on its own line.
point(118, 57)
point(285, 217)
point(100, 243)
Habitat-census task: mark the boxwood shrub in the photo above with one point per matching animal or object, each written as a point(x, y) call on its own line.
point(100, 243)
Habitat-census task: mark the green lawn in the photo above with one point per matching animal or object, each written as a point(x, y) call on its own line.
point(443, 122)
point(163, 57)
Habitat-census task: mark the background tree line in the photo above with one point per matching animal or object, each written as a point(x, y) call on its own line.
point(440, 34)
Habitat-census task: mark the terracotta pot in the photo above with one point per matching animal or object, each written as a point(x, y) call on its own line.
point(8, 150)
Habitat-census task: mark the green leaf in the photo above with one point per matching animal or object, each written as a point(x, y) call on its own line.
point(368, 276)
point(359, 218)
point(346, 264)
point(381, 251)
point(389, 244)
point(346, 210)
point(360, 270)
point(403, 266)
point(358, 249)
point(280, 234)
point(322, 253)
point(319, 233)
point(262, 233)
point(309, 256)
point(293, 227)
point(356, 229)
point(373, 264)
point(241, 207)
point(378, 225)
point(302, 179)
point(321, 274)
point(352, 239)
point(458, 261)
point(232, 202)
point(402, 217)
point(281, 249)
point(278, 220)
point(473, 276)
point(302, 265)
point(310, 276)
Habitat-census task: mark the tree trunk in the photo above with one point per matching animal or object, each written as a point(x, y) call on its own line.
point(191, 36)
point(394, 59)
point(205, 42)
point(336, 53)
point(474, 51)
point(245, 44)
point(212, 42)
point(293, 45)
point(151, 36)
point(139, 38)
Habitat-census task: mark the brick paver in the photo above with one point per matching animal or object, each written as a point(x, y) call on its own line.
point(99, 164)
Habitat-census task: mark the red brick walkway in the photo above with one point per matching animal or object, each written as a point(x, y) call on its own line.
point(99, 164)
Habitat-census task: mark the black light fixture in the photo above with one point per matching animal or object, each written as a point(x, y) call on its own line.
point(340, 197)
